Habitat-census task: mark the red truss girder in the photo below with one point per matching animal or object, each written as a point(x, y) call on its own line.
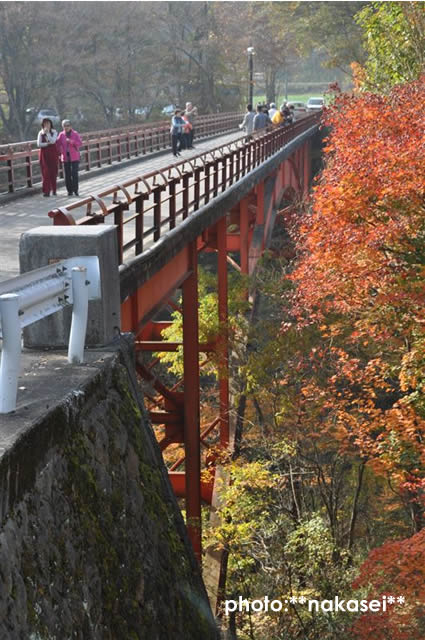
point(179, 411)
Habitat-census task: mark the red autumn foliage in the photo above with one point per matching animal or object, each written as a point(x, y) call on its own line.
point(359, 281)
point(360, 246)
point(397, 569)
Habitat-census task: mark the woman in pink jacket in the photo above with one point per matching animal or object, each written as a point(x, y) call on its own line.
point(68, 144)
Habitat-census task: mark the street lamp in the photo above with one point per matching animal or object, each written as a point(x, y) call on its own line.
point(251, 53)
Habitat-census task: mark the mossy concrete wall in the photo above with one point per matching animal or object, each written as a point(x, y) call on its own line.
point(92, 543)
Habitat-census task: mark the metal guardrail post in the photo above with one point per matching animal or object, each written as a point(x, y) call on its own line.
point(36, 295)
point(80, 294)
point(11, 352)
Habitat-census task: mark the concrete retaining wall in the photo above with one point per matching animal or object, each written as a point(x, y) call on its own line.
point(92, 543)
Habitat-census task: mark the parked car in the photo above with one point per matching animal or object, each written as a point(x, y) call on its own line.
point(49, 113)
point(314, 104)
point(300, 108)
point(169, 110)
point(44, 113)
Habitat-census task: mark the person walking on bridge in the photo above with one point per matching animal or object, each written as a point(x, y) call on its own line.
point(272, 110)
point(191, 112)
point(261, 119)
point(176, 130)
point(68, 144)
point(48, 156)
point(281, 116)
point(187, 130)
point(248, 122)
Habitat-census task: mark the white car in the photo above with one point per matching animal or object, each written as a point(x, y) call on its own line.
point(169, 110)
point(314, 104)
point(141, 112)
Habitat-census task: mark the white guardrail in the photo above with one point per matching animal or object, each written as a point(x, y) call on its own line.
point(35, 295)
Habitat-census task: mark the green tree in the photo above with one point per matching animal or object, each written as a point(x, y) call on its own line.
point(394, 38)
point(330, 27)
point(25, 71)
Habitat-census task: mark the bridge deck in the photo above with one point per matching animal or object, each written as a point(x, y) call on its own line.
point(17, 216)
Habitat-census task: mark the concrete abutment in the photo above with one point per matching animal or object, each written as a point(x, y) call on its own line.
point(92, 542)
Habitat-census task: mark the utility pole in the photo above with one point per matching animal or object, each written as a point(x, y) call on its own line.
point(251, 52)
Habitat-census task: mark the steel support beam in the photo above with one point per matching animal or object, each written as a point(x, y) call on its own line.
point(191, 403)
point(243, 230)
point(260, 203)
point(223, 342)
point(154, 293)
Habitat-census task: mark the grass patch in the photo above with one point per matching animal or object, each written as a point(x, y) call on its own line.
point(292, 97)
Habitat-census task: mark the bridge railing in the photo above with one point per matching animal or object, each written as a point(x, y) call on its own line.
point(144, 207)
point(19, 163)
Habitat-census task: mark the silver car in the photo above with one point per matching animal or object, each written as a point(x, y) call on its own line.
point(314, 104)
point(52, 114)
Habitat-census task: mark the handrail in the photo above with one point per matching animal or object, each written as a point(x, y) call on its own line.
point(177, 190)
point(19, 163)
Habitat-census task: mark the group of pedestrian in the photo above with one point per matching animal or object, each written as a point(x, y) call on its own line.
point(266, 115)
point(52, 146)
point(183, 128)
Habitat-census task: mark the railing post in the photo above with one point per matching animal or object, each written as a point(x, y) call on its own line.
point(28, 161)
point(243, 153)
point(88, 158)
point(196, 191)
point(10, 174)
point(207, 183)
point(231, 167)
point(139, 224)
point(223, 173)
point(216, 166)
point(157, 214)
point(118, 221)
point(80, 295)
point(11, 352)
point(172, 204)
point(238, 164)
point(185, 195)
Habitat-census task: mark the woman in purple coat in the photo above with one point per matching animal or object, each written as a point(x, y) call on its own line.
point(68, 144)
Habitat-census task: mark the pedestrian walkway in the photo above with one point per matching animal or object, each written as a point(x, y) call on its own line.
point(22, 214)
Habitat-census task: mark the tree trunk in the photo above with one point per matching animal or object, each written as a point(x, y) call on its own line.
point(271, 85)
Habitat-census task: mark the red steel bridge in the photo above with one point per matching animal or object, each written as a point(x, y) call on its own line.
point(221, 201)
